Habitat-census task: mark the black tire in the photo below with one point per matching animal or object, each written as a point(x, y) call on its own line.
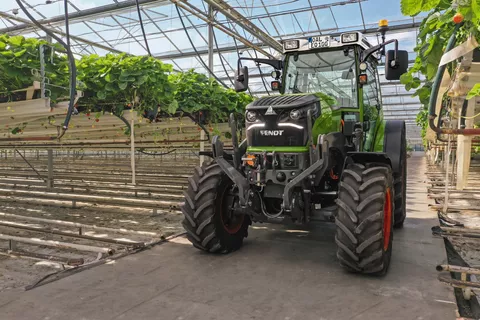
point(400, 186)
point(205, 211)
point(365, 220)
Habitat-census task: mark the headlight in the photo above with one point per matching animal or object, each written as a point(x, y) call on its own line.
point(349, 37)
point(295, 114)
point(251, 116)
point(291, 45)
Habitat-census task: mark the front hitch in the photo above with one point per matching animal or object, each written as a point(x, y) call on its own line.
point(318, 168)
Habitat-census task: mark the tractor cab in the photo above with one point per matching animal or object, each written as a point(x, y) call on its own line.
point(343, 68)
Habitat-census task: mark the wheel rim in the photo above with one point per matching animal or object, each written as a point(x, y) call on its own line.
point(387, 219)
point(231, 223)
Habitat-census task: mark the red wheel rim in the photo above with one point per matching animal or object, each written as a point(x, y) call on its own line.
point(231, 225)
point(234, 225)
point(387, 219)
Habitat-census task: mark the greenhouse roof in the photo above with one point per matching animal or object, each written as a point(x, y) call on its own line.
point(247, 28)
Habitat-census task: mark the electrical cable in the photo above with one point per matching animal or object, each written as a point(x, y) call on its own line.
point(238, 55)
point(221, 59)
point(195, 49)
point(260, 73)
point(258, 65)
point(156, 153)
point(143, 29)
point(71, 60)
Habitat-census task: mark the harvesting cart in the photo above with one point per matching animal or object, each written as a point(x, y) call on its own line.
point(319, 151)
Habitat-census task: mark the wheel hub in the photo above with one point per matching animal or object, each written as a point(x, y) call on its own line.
point(231, 222)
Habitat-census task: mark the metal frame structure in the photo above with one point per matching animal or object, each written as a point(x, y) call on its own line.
point(222, 31)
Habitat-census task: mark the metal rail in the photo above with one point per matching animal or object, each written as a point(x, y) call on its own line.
point(57, 244)
point(79, 225)
point(128, 243)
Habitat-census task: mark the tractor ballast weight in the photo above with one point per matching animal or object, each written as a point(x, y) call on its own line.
point(302, 161)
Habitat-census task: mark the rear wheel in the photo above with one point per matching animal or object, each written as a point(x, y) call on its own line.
point(365, 218)
point(209, 220)
point(400, 185)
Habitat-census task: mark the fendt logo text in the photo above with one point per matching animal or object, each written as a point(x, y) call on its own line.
point(271, 132)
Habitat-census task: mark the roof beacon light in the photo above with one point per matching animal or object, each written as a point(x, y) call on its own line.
point(291, 45)
point(383, 23)
point(349, 37)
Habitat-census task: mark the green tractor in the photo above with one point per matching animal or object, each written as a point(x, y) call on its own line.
point(305, 161)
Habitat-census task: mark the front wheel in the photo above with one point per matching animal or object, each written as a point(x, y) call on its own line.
point(365, 218)
point(208, 210)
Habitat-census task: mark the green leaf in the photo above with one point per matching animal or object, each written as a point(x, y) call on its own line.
point(406, 78)
point(7, 53)
point(428, 5)
point(3, 45)
point(416, 83)
point(414, 7)
point(16, 40)
point(476, 10)
point(123, 85)
point(474, 92)
point(141, 80)
point(410, 7)
point(111, 87)
point(172, 107)
point(20, 53)
point(102, 95)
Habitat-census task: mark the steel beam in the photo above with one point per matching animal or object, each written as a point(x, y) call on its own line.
point(229, 12)
point(89, 14)
point(78, 39)
point(232, 48)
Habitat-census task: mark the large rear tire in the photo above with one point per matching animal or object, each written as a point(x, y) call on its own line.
point(209, 220)
point(365, 218)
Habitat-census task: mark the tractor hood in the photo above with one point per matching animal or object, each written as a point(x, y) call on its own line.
point(280, 121)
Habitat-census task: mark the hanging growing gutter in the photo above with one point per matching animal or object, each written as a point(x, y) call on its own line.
point(434, 95)
point(71, 60)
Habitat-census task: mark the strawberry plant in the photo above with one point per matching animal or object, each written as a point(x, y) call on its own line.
point(115, 81)
point(19, 56)
point(434, 32)
point(195, 92)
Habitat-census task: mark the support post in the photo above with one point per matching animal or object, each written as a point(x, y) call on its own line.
point(50, 169)
point(464, 148)
point(132, 146)
point(211, 17)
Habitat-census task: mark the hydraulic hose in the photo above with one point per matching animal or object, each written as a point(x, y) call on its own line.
point(434, 96)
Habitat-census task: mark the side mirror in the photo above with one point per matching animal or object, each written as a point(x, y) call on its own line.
point(395, 68)
point(241, 79)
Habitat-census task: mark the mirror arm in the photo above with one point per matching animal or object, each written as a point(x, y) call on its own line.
point(367, 53)
point(276, 64)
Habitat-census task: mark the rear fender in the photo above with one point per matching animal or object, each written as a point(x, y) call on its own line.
point(392, 143)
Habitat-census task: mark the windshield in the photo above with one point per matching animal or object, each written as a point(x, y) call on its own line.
point(329, 72)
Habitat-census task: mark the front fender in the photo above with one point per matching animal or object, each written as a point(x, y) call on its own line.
point(366, 157)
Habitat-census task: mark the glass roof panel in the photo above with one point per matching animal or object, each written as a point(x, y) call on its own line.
point(280, 19)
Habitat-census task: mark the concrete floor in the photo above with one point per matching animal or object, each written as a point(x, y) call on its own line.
point(280, 273)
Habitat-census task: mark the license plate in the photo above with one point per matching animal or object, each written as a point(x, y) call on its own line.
point(319, 42)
